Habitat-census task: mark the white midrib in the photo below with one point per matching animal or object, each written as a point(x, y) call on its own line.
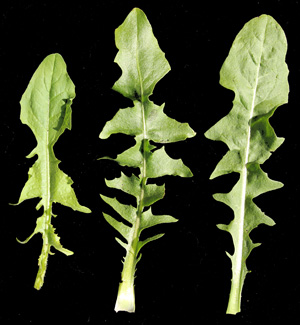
point(48, 211)
point(140, 206)
point(239, 249)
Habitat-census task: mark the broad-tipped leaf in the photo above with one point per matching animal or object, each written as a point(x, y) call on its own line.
point(256, 71)
point(142, 62)
point(46, 109)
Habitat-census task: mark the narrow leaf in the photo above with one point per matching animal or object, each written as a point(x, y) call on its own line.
point(143, 64)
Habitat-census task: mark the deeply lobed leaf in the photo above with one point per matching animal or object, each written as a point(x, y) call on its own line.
point(256, 71)
point(160, 128)
point(143, 64)
point(46, 109)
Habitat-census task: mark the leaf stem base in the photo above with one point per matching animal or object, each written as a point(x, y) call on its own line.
point(126, 298)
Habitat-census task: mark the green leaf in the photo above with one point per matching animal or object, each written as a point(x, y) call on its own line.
point(153, 193)
point(130, 185)
point(142, 243)
point(143, 64)
point(256, 71)
point(131, 157)
point(160, 127)
point(126, 211)
point(46, 109)
point(126, 120)
point(163, 129)
point(122, 229)
point(150, 220)
point(160, 164)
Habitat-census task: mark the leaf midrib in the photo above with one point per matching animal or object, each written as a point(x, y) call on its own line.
point(47, 208)
point(244, 171)
point(140, 206)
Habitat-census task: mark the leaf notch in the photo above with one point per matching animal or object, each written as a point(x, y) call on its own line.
point(256, 71)
point(143, 64)
point(46, 109)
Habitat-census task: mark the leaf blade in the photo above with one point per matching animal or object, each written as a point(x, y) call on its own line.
point(46, 109)
point(256, 71)
point(143, 64)
point(133, 39)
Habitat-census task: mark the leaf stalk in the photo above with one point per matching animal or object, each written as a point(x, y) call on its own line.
point(43, 259)
point(126, 295)
point(143, 64)
point(234, 302)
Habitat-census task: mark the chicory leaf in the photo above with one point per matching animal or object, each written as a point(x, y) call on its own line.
point(255, 70)
point(143, 64)
point(46, 109)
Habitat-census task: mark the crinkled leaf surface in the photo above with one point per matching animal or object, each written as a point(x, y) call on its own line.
point(256, 71)
point(143, 64)
point(46, 109)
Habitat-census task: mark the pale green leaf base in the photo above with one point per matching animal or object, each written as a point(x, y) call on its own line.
point(143, 64)
point(126, 298)
point(255, 70)
point(46, 109)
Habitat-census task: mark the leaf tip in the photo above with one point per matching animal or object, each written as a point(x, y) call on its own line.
point(103, 135)
point(229, 255)
point(222, 227)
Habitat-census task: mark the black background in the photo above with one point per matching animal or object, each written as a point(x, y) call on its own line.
point(185, 276)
